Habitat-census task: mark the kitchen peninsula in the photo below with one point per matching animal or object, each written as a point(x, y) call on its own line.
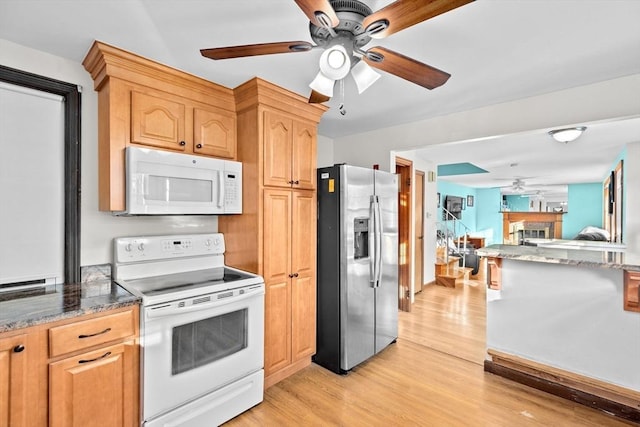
point(566, 321)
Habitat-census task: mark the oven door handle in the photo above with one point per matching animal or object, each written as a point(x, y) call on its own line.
point(172, 309)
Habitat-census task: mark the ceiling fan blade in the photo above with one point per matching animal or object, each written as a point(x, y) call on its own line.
point(403, 14)
point(318, 98)
point(405, 67)
point(319, 12)
point(256, 49)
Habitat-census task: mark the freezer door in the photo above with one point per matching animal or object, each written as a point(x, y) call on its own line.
point(356, 291)
point(386, 298)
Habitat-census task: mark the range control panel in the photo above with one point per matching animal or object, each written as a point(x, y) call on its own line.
point(147, 248)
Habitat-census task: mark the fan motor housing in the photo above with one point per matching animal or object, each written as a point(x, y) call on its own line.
point(351, 14)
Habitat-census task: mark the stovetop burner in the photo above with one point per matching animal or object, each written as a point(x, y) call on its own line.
point(160, 269)
point(215, 278)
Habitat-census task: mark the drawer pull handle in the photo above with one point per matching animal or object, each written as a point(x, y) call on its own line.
point(107, 354)
point(93, 335)
point(18, 349)
point(182, 143)
point(199, 146)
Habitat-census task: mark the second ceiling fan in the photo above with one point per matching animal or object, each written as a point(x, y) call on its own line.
point(342, 28)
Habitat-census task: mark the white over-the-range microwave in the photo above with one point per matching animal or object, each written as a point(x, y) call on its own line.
point(165, 183)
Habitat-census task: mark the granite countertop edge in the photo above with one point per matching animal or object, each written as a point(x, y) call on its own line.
point(55, 308)
point(578, 257)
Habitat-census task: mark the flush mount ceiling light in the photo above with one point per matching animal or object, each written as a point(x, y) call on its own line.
point(568, 134)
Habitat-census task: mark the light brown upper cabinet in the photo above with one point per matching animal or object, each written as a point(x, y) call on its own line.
point(276, 235)
point(143, 103)
point(289, 151)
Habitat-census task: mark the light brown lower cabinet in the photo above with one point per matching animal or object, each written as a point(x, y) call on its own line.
point(96, 388)
point(48, 379)
point(13, 381)
point(290, 281)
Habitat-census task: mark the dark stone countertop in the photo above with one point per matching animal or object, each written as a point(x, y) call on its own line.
point(584, 257)
point(50, 303)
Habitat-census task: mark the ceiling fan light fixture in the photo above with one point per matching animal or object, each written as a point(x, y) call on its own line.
point(322, 84)
point(568, 134)
point(335, 63)
point(364, 76)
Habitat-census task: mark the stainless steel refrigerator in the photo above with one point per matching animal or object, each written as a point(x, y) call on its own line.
point(357, 311)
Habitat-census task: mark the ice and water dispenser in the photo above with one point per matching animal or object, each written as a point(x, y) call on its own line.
point(361, 238)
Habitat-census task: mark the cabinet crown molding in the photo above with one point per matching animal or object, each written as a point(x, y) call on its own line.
point(261, 92)
point(104, 61)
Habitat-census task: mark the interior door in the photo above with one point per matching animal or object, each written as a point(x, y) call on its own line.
point(418, 261)
point(404, 169)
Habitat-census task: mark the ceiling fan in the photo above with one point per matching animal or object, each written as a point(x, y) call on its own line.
point(342, 28)
point(518, 186)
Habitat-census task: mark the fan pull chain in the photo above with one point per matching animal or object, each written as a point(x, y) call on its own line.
point(341, 108)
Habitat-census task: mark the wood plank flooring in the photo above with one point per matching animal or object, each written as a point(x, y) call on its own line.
point(432, 376)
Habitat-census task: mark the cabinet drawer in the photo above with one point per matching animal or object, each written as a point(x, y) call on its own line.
point(87, 333)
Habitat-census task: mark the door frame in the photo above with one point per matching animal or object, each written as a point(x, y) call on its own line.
point(404, 168)
point(418, 283)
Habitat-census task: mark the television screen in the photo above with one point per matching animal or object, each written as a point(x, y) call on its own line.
point(454, 205)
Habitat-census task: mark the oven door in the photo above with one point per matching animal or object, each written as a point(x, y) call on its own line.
point(194, 346)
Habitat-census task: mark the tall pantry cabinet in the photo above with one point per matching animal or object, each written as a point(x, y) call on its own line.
point(276, 143)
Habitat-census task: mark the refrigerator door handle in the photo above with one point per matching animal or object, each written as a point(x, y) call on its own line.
point(372, 242)
point(378, 243)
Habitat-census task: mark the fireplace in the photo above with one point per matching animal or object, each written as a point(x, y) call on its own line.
point(518, 226)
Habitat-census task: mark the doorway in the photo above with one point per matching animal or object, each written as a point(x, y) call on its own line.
point(418, 217)
point(404, 169)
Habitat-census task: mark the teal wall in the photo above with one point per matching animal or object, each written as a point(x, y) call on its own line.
point(518, 203)
point(488, 215)
point(469, 213)
point(484, 217)
point(585, 208)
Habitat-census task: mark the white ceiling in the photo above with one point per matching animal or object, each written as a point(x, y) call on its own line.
point(535, 158)
point(495, 50)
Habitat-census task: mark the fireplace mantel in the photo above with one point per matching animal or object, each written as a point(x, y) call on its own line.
point(552, 217)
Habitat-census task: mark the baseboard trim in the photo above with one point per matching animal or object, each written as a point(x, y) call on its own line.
point(599, 403)
point(278, 376)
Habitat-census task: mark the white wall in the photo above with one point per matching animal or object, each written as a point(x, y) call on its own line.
point(600, 101)
point(325, 151)
point(632, 208)
point(97, 228)
point(579, 327)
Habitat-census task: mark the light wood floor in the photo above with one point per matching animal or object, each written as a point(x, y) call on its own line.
point(432, 376)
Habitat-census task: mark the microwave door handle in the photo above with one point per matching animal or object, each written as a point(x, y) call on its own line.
point(145, 185)
point(221, 189)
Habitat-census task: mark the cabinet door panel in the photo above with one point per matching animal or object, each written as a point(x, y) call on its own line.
point(303, 262)
point(304, 155)
point(96, 388)
point(277, 235)
point(303, 317)
point(13, 382)
point(277, 328)
point(157, 122)
point(278, 136)
point(277, 268)
point(214, 133)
